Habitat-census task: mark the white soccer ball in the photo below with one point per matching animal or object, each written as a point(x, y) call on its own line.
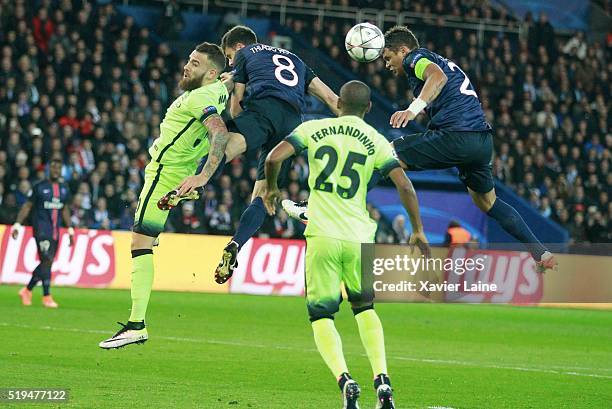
point(364, 42)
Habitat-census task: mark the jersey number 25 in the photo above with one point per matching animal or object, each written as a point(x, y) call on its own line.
point(353, 158)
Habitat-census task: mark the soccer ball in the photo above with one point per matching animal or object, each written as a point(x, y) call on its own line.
point(364, 42)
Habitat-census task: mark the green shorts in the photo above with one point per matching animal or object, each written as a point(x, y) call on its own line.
point(329, 263)
point(159, 180)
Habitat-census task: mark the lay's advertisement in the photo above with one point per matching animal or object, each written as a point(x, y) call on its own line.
point(102, 259)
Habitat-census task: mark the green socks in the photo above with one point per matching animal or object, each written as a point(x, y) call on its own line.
point(373, 340)
point(329, 345)
point(142, 282)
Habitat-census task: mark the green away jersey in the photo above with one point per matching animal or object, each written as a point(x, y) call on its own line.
point(184, 139)
point(342, 155)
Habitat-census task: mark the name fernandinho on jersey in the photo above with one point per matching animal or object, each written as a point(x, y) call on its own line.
point(263, 47)
point(345, 130)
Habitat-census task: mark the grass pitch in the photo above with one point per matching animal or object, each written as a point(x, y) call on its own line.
point(231, 351)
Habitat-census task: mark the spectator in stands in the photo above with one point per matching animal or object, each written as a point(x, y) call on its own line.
point(81, 79)
point(100, 215)
point(399, 229)
point(383, 233)
point(284, 227)
point(221, 221)
point(8, 208)
point(188, 221)
point(456, 234)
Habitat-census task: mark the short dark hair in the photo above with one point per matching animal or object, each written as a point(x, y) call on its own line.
point(238, 34)
point(214, 53)
point(355, 97)
point(399, 36)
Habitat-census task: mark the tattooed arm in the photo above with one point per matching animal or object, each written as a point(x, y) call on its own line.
point(435, 80)
point(219, 137)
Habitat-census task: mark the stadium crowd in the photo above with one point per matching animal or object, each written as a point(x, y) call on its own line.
point(82, 82)
point(85, 84)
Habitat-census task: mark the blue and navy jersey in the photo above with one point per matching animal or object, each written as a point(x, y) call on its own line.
point(48, 199)
point(272, 72)
point(457, 107)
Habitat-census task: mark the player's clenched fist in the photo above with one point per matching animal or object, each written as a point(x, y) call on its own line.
point(400, 119)
point(228, 80)
point(15, 230)
point(270, 199)
point(420, 240)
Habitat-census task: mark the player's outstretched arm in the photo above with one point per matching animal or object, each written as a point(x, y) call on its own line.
point(324, 93)
point(410, 202)
point(227, 78)
point(236, 99)
point(21, 216)
point(68, 224)
point(274, 161)
point(435, 79)
point(219, 137)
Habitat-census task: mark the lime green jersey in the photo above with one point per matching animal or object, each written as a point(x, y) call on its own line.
point(184, 138)
point(342, 155)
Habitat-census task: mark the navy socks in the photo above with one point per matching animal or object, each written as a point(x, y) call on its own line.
point(513, 223)
point(250, 221)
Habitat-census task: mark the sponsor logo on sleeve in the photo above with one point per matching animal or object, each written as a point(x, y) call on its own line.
point(209, 111)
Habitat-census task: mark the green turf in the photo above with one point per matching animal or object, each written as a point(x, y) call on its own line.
point(229, 351)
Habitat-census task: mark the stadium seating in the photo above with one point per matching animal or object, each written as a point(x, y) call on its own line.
point(90, 83)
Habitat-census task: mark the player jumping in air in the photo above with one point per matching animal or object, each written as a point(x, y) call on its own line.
point(47, 199)
point(269, 88)
point(343, 153)
point(458, 134)
point(190, 121)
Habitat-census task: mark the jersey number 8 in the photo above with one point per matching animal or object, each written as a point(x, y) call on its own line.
point(289, 67)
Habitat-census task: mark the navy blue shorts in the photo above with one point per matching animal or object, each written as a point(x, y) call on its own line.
point(46, 248)
point(470, 152)
point(264, 123)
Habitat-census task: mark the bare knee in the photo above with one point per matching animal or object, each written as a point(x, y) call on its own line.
point(140, 241)
point(235, 146)
point(484, 201)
